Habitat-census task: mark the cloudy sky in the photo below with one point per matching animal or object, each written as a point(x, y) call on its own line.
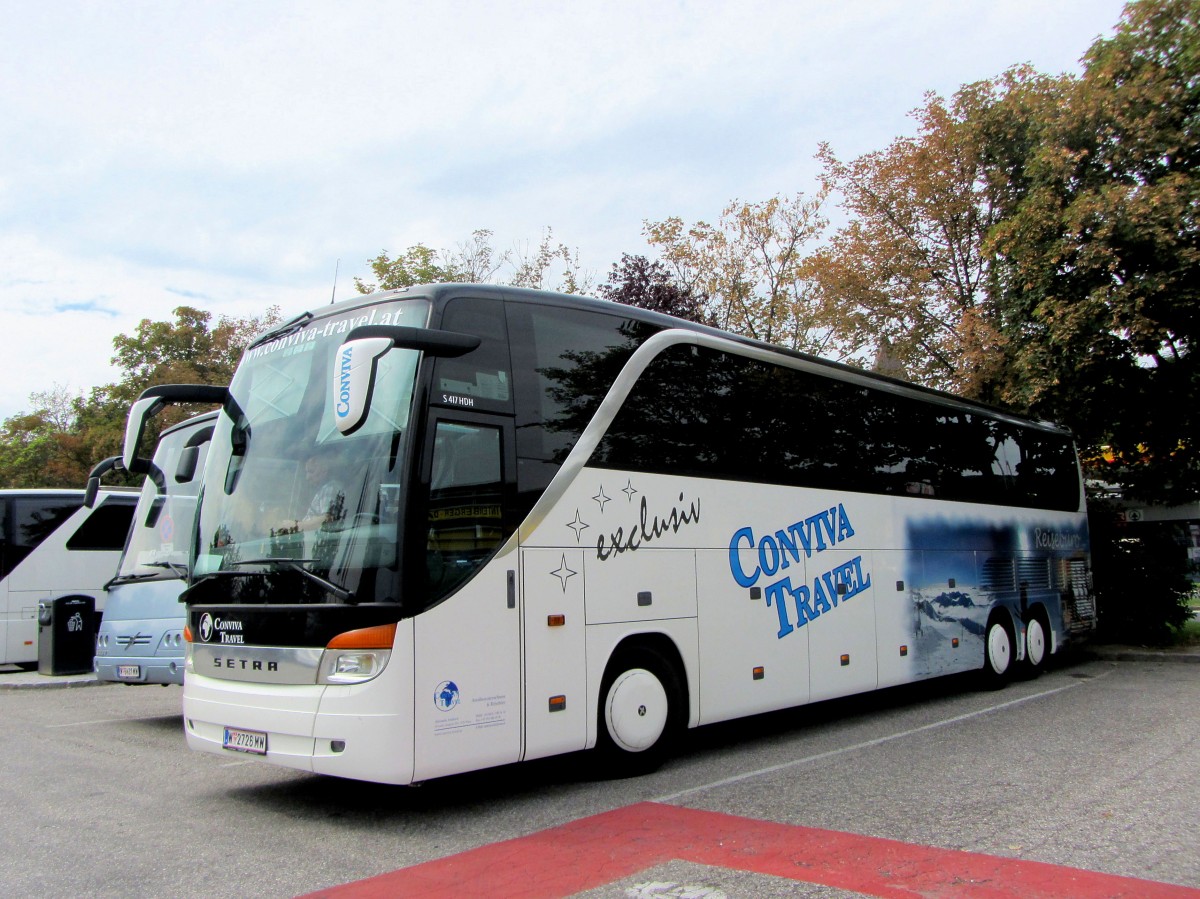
point(234, 155)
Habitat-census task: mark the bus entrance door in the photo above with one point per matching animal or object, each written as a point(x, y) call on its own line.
point(468, 648)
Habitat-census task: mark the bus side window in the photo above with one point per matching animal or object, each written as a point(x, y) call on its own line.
point(465, 522)
point(35, 519)
point(105, 530)
point(481, 379)
point(5, 551)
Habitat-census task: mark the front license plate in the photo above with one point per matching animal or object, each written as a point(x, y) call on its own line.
point(130, 672)
point(245, 741)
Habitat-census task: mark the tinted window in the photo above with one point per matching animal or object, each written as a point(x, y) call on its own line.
point(35, 519)
point(105, 529)
point(564, 361)
point(28, 521)
point(480, 379)
point(704, 413)
point(465, 503)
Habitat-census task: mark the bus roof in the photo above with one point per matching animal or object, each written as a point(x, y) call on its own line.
point(440, 293)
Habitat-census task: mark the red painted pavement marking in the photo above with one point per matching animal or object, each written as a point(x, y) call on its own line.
point(595, 851)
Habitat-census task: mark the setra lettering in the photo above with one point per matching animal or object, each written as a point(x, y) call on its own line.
point(245, 664)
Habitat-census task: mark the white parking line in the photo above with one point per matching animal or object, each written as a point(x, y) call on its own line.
point(867, 744)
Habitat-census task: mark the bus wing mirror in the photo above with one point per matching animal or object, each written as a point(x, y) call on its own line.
point(139, 413)
point(354, 380)
point(155, 510)
point(358, 359)
point(189, 458)
point(430, 341)
point(185, 470)
point(112, 463)
point(150, 403)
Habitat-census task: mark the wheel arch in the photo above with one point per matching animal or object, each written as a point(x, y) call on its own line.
point(672, 646)
point(660, 643)
point(1005, 616)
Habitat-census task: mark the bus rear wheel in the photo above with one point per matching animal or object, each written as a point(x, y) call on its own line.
point(1036, 650)
point(639, 715)
point(998, 654)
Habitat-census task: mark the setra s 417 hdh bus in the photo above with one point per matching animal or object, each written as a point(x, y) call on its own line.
point(456, 526)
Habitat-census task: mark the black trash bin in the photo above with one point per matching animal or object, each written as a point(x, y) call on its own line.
point(66, 635)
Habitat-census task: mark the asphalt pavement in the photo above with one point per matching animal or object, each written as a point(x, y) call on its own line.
point(1083, 777)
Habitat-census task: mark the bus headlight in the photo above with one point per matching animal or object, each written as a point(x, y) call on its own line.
point(357, 656)
point(341, 667)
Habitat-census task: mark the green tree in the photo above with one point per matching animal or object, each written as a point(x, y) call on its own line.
point(189, 350)
point(752, 270)
point(417, 265)
point(1098, 255)
point(533, 268)
point(30, 445)
point(57, 443)
point(477, 261)
point(912, 267)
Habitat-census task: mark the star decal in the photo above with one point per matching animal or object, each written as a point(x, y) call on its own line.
point(601, 498)
point(577, 525)
point(563, 572)
point(629, 490)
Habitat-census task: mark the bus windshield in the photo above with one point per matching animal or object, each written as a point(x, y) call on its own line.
point(158, 541)
point(286, 496)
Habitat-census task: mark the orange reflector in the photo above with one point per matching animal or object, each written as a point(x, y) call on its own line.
point(759, 673)
point(28, 642)
point(556, 620)
point(558, 703)
point(954, 642)
point(187, 633)
point(903, 650)
point(845, 660)
point(381, 636)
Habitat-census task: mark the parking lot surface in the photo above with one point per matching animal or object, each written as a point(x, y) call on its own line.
point(1082, 776)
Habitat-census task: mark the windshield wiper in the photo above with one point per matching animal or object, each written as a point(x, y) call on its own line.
point(296, 565)
point(175, 567)
point(292, 324)
point(131, 578)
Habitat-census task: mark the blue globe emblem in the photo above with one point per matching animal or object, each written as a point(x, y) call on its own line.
point(445, 697)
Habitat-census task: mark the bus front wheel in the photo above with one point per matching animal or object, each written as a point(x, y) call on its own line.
point(639, 713)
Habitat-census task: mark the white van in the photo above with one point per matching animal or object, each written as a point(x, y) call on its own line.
point(52, 546)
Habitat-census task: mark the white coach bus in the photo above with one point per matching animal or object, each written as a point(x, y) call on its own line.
point(457, 526)
point(140, 640)
point(51, 547)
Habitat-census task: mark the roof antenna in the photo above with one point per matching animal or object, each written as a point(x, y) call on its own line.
point(333, 295)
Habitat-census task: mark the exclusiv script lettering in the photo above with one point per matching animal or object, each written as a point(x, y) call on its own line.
point(647, 528)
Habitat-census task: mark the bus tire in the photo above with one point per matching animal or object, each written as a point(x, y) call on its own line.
point(1037, 649)
point(640, 713)
point(998, 653)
